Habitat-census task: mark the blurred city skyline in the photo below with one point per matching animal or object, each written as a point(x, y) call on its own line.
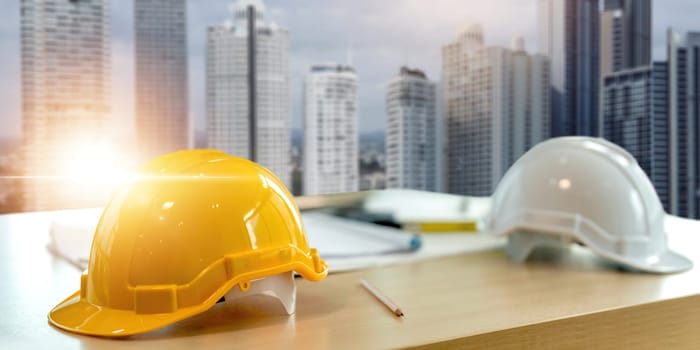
point(378, 37)
point(121, 83)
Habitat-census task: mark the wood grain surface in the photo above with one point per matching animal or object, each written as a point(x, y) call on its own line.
point(557, 300)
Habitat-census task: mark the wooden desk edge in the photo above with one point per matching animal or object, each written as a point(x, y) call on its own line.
point(665, 324)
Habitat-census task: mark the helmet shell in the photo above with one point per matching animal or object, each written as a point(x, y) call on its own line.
point(587, 190)
point(174, 240)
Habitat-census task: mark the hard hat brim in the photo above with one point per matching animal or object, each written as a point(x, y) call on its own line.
point(79, 316)
point(668, 262)
point(76, 314)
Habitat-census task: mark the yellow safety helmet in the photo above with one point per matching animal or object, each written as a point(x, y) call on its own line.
point(178, 237)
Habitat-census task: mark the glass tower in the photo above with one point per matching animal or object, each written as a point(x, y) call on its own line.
point(248, 88)
point(330, 130)
point(65, 94)
point(411, 131)
point(569, 37)
point(161, 76)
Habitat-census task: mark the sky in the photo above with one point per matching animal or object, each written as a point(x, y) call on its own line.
point(376, 37)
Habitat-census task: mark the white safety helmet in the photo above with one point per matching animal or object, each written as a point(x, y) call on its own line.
point(585, 190)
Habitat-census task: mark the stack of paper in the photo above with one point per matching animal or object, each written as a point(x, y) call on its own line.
point(345, 244)
point(337, 237)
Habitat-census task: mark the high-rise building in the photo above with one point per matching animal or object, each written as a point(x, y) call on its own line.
point(611, 45)
point(684, 119)
point(473, 128)
point(625, 42)
point(411, 144)
point(65, 91)
point(634, 111)
point(441, 139)
point(569, 37)
point(248, 88)
point(625, 36)
point(530, 121)
point(635, 118)
point(330, 130)
point(661, 133)
point(161, 76)
point(496, 105)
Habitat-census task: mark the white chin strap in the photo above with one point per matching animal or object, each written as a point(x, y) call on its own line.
point(281, 287)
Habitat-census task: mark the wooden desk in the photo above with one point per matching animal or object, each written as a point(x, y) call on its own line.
point(478, 300)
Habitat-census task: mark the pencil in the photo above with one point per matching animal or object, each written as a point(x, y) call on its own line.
point(441, 227)
point(382, 298)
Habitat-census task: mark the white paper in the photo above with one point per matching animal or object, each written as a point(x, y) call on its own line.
point(336, 237)
point(410, 206)
point(344, 244)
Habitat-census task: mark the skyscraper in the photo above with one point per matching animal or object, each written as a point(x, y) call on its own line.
point(248, 88)
point(625, 40)
point(633, 110)
point(625, 35)
point(473, 133)
point(161, 76)
point(684, 115)
point(660, 169)
point(330, 130)
point(611, 45)
point(411, 131)
point(496, 105)
point(65, 90)
point(569, 37)
point(530, 121)
point(635, 118)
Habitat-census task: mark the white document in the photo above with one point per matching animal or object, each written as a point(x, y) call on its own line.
point(70, 235)
point(344, 244)
point(406, 206)
point(336, 237)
